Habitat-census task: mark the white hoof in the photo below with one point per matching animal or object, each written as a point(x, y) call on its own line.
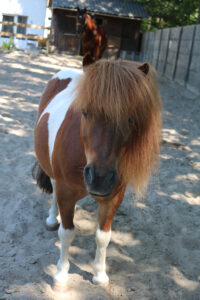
point(52, 223)
point(61, 277)
point(100, 278)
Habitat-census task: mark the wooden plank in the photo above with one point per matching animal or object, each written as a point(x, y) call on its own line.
point(71, 34)
point(24, 25)
point(23, 36)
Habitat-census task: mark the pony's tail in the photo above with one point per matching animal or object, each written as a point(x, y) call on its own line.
point(42, 179)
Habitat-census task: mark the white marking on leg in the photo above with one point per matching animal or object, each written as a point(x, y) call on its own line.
point(102, 241)
point(52, 221)
point(66, 237)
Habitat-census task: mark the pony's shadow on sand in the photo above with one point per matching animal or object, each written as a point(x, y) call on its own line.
point(74, 269)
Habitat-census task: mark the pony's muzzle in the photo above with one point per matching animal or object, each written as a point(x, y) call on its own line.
point(99, 182)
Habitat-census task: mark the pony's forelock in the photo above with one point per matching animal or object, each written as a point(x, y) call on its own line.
point(122, 92)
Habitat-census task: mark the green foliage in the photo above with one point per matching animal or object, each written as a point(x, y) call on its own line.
point(8, 45)
point(170, 13)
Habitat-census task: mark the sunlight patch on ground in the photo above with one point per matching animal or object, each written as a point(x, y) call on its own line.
point(190, 176)
point(182, 281)
point(140, 205)
point(6, 119)
point(117, 254)
point(188, 197)
point(124, 239)
point(166, 156)
point(50, 270)
point(171, 135)
point(196, 142)
point(18, 132)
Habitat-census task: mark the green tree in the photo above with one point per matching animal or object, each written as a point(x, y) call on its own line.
point(170, 13)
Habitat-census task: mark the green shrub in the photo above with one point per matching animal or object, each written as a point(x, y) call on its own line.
point(8, 45)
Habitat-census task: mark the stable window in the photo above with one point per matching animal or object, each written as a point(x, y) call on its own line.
point(22, 20)
point(68, 24)
point(7, 28)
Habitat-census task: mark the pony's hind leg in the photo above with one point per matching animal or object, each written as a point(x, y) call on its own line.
point(106, 212)
point(51, 221)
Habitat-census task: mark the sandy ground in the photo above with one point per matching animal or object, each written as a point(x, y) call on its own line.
point(155, 248)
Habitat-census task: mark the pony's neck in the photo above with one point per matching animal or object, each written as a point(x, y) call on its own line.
point(89, 23)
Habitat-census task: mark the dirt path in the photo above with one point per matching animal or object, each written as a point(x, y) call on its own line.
point(155, 248)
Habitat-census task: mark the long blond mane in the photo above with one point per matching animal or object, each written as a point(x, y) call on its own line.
point(121, 91)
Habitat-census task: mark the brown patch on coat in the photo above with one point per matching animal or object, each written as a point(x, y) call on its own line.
point(68, 159)
point(41, 144)
point(107, 208)
point(54, 87)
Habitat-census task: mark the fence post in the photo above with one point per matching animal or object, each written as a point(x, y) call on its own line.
point(165, 65)
point(157, 62)
point(146, 46)
point(177, 53)
point(190, 56)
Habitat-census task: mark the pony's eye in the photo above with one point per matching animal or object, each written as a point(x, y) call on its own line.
point(84, 113)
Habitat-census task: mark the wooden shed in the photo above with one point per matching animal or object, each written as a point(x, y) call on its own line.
point(120, 18)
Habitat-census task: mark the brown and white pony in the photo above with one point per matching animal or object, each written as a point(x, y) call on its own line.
point(94, 37)
point(96, 132)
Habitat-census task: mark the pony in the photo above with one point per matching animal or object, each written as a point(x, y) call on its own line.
point(94, 37)
point(97, 131)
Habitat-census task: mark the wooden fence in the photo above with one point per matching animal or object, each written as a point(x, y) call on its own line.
point(20, 35)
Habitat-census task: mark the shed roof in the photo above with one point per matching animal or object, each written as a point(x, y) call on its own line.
point(120, 8)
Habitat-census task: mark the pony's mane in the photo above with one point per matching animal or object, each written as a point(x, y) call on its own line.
point(121, 91)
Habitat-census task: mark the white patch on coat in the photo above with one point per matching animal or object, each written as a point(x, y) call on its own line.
point(60, 104)
point(102, 241)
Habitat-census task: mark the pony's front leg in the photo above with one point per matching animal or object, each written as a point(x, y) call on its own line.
point(106, 213)
point(66, 237)
point(66, 202)
point(51, 221)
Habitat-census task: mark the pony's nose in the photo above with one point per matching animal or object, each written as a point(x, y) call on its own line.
point(89, 173)
point(99, 182)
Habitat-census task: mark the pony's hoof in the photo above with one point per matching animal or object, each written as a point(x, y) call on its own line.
point(51, 225)
point(60, 279)
point(100, 278)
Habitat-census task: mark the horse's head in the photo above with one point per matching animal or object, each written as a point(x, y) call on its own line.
point(119, 125)
point(103, 144)
point(80, 19)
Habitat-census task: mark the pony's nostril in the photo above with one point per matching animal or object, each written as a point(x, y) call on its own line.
point(111, 177)
point(89, 174)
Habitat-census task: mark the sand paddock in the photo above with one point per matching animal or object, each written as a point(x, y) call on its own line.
point(155, 247)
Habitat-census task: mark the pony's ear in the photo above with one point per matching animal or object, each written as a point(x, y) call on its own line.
point(88, 60)
point(145, 67)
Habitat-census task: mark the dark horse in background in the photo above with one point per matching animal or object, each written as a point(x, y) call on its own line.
point(94, 37)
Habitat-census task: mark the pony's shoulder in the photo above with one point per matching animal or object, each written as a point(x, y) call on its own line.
point(68, 73)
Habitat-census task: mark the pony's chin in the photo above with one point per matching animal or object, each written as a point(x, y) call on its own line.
point(99, 195)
